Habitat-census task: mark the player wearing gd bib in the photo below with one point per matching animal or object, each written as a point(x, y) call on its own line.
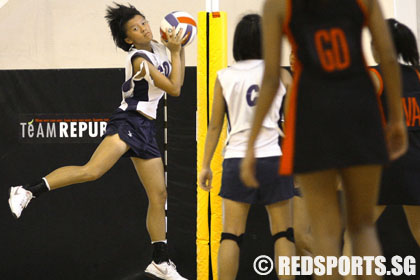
point(235, 95)
point(332, 98)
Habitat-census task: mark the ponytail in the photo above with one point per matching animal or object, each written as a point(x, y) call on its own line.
point(405, 42)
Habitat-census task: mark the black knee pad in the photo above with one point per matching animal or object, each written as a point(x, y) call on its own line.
point(288, 234)
point(230, 236)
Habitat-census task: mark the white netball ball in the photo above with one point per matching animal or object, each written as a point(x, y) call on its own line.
point(179, 20)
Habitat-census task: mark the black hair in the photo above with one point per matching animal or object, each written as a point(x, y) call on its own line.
point(247, 38)
point(405, 42)
point(117, 18)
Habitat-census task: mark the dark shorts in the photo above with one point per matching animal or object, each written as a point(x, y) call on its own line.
point(273, 187)
point(137, 131)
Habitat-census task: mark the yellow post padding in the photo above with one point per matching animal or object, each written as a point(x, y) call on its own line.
point(218, 60)
point(203, 236)
point(212, 56)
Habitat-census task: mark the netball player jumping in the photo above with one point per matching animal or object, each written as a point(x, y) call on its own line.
point(333, 124)
point(235, 95)
point(130, 131)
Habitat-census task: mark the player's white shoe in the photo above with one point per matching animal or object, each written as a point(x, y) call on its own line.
point(19, 198)
point(165, 270)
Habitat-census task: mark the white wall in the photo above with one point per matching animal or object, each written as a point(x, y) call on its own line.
point(418, 23)
point(408, 12)
point(41, 34)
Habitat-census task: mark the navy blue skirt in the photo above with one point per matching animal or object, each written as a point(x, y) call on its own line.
point(400, 184)
point(272, 187)
point(137, 131)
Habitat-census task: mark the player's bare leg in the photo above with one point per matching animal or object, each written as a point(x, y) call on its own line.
point(151, 174)
point(319, 191)
point(361, 185)
point(302, 228)
point(105, 156)
point(234, 222)
point(280, 215)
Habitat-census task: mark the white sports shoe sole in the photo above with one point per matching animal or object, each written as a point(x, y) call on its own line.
point(152, 276)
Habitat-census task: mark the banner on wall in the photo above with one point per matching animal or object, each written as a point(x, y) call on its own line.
point(54, 118)
point(61, 128)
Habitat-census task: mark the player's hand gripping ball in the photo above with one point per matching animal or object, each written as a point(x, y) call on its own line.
point(179, 20)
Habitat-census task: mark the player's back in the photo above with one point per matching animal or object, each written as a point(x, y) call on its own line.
point(326, 35)
point(410, 101)
point(333, 103)
point(241, 84)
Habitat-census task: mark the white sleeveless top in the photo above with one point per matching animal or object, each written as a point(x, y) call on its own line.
point(241, 83)
point(140, 93)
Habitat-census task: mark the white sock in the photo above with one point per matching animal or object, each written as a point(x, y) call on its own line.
point(164, 241)
point(46, 183)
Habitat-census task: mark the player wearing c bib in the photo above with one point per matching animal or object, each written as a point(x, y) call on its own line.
point(235, 95)
point(333, 125)
point(240, 85)
point(130, 131)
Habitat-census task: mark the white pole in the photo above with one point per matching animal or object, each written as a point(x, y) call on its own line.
point(212, 6)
